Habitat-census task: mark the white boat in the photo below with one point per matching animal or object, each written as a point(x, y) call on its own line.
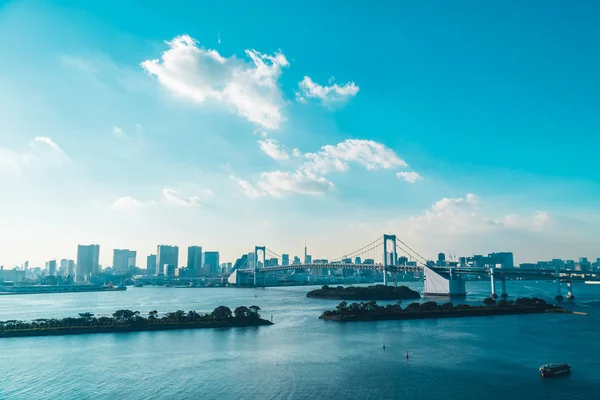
point(593, 282)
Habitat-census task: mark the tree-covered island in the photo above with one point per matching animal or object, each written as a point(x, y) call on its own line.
point(371, 311)
point(375, 292)
point(133, 321)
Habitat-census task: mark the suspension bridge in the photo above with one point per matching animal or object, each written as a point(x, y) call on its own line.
point(381, 256)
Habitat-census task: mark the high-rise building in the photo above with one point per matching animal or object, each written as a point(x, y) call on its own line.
point(194, 261)
point(51, 266)
point(296, 260)
point(285, 259)
point(505, 259)
point(151, 264)
point(169, 269)
point(228, 267)
point(88, 257)
point(211, 262)
point(357, 260)
point(402, 260)
point(66, 268)
point(308, 259)
point(121, 261)
point(131, 262)
point(166, 255)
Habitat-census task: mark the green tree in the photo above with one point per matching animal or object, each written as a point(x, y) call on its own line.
point(488, 301)
point(254, 311)
point(221, 312)
point(241, 312)
point(123, 315)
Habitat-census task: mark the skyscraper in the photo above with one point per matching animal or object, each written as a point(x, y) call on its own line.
point(211, 262)
point(285, 259)
point(51, 265)
point(151, 264)
point(194, 260)
point(131, 258)
point(87, 261)
point(122, 259)
point(166, 255)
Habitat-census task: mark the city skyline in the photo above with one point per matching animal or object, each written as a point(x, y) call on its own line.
point(447, 143)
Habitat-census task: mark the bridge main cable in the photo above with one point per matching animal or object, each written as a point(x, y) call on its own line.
point(356, 251)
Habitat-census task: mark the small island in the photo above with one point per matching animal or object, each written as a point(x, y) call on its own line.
point(133, 321)
point(375, 292)
point(371, 311)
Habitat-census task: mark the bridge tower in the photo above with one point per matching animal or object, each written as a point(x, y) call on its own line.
point(264, 259)
point(394, 260)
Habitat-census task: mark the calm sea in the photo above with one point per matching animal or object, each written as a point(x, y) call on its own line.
point(301, 357)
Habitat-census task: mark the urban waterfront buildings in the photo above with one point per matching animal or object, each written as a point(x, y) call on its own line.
point(211, 263)
point(194, 261)
point(51, 267)
point(151, 264)
point(88, 257)
point(166, 256)
point(122, 260)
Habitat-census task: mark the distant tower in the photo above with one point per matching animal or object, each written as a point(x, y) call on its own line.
point(305, 253)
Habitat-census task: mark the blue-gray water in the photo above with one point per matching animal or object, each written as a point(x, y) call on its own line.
point(301, 357)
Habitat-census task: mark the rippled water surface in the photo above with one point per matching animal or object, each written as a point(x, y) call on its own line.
point(301, 357)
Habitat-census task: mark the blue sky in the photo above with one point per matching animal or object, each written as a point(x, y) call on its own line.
point(136, 123)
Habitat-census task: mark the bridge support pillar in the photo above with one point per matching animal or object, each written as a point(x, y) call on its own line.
point(493, 282)
point(570, 290)
point(264, 253)
point(394, 259)
point(557, 279)
point(442, 283)
point(503, 294)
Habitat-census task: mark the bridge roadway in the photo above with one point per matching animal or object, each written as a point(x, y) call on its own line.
point(372, 267)
point(498, 272)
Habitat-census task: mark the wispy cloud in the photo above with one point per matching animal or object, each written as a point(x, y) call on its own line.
point(176, 198)
point(273, 149)
point(410, 177)
point(128, 203)
point(327, 94)
point(247, 188)
point(310, 176)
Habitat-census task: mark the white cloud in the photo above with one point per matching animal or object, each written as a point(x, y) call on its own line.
point(280, 183)
point(176, 198)
point(118, 132)
point(249, 88)
point(247, 188)
point(410, 177)
point(368, 153)
point(128, 203)
point(310, 176)
point(41, 154)
point(273, 149)
point(333, 93)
